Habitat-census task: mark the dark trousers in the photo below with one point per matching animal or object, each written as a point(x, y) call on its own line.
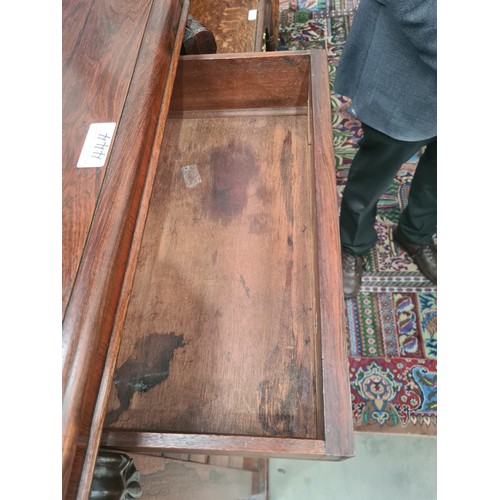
point(373, 169)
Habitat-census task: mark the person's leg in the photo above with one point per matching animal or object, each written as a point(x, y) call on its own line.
point(418, 221)
point(377, 161)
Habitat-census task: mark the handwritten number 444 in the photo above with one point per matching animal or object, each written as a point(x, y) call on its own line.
point(100, 148)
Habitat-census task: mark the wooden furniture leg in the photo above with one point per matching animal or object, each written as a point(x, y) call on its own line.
point(115, 477)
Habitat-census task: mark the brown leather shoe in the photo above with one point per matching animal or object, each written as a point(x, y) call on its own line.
point(424, 256)
point(352, 271)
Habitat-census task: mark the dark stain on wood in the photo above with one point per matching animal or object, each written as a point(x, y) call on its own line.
point(264, 194)
point(272, 415)
point(280, 413)
point(149, 367)
point(260, 223)
point(232, 167)
point(245, 286)
point(290, 61)
point(214, 257)
point(288, 280)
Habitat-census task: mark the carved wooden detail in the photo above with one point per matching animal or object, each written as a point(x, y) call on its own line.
point(198, 39)
point(115, 478)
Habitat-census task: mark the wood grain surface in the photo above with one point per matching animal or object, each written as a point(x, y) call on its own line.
point(213, 444)
point(243, 81)
point(337, 412)
point(225, 287)
point(232, 324)
point(227, 337)
point(228, 21)
point(101, 42)
point(100, 209)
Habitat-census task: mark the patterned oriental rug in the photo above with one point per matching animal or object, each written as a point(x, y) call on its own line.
point(392, 323)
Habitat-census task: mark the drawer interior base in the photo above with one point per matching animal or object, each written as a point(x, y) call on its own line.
point(221, 330)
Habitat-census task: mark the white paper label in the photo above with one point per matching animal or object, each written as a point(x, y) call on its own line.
point(252, 15)
point(96, 146)
point(191, 175)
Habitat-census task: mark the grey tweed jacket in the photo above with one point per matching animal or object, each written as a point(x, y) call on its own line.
point(388, 67)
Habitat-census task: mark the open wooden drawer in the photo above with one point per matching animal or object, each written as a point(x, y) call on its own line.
point(232, 336)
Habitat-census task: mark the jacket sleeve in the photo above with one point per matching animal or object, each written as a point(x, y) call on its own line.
point(417, 19)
